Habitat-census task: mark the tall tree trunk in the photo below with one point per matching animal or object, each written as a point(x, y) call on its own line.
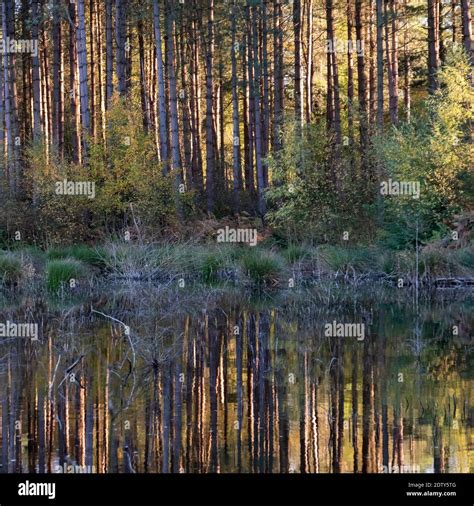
point(195, 106)
point(309, 69)
point(453, 20)
point(266, 90)
point(46, 95)
point(35, 15)
point(251, 102)
point(394, 62)
point(188, 133)
point(93, 56)
point(433, 44)
point(372, 64)
point(278, 74)
point(407, 87)
point(350, 80)
point(9, 96)
point(120, 37)
point(389, 52)
point(246, 121)
point(143, 82)
point(109, 60)
point(297, 24)
point(58, 105)
point(11, 32)
point(362, 87)
point(161, 88)
point(210, 140)
point(257, 119)
point(26, 120)
point(7, 108)
point(237, 177)
point(467, 29)
point(83, 86)
point(380, 80)
point(76, 147)
point(336, 119)
point(175, 151)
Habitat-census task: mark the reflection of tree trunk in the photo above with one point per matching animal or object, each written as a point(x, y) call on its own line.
point(340, 384)
point(368, 434)
point(105, 414)
point(224, 390)
point(283, 421)
point(269, 392)
point(98, 442)
point(438, 457)
point(5, 435)
point(89, 427)
point(213, 361)
point(198, 405)
point(239, 360)
point(315, 425)
point(166, 419)
point(178, 408)
point(148, 425)
point(355, 411)
point(41, 433)
point(384, 426)
point(156, 425)
point(336, 408)
point(12, 413)
point(190, 384)
point(250, 389)
point(62, 442)
point(31, 427)
point(302, 412)
point(263, 330)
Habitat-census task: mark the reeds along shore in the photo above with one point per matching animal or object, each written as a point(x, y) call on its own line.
point(71, 267)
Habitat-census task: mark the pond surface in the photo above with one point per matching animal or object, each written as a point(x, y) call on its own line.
point(227, 384)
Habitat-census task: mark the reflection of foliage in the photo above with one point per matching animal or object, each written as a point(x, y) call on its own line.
point(443, 366)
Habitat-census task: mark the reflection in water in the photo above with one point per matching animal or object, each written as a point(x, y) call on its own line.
point(227, 389)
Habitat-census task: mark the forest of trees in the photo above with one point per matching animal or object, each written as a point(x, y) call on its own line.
point(186, 108)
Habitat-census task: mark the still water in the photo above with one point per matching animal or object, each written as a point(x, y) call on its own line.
point(139, 381)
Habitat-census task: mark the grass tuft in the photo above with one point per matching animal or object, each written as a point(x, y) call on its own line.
point(93, 256)
point(295, 253)
point(261, 266)
point(60, 272)
point(11, 269)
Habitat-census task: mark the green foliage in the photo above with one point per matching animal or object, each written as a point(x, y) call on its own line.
point(43, 215)
point(465, 257)
point(316, 196)
point(435, 150)
point(359, 258)
point(94, 256)
point(261, 266)
point(61, 271)
point(436, 262)
point(130, 188)
point(295, 253)
point(210, 265)
point(133, 189)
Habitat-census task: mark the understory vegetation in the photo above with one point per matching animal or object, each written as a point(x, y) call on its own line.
point(71, 269)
